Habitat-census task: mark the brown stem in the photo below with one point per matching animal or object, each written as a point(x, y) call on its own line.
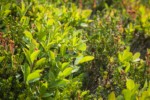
point(11, 46)
point(94, 4)
point(80, 4)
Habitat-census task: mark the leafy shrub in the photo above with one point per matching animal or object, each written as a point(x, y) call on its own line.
point(46, 46)
point(47, 50)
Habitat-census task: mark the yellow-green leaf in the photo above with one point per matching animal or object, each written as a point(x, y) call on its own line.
point(86, 59)
point(136, 57)
point(2, 58)
point(82, 47)
point(28, 34)
point(27, 54)
point(86, 13)
point(34, 55)
point(52, 55)
point(66, 72)
point(34, 76)
point(26, 71)
point(64, 65)
point(40, 62)
point(112, 96)
point(130, 84)
point(50, 22)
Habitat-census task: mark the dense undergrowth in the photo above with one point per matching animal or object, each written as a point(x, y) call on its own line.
point(54, 50)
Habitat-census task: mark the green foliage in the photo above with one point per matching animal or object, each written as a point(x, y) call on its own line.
point(48, 41)
point(53, 50)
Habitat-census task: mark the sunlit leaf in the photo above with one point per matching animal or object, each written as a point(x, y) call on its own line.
point(127, 65)
point(86, 59)
point(26, 71)
point(84, 93)
point(64, 65)
point(58, 83)
point(40, 62)
point(50, 22)
point(120, 97)
point(34, 76)
point(86, 13)
point(28, 34)
point(75, 69)
point(127, 94)
point(112, 96)
point(34, 55)
point(130, 84)
point(7, 12)
point(136, 57)
point(52, 55)
point(66, 72)
point(81, 59)
point(62, 50)
point(78, 59)
point(39, 26)
point(82, 47)
point(27, 54)
point(2, 58)
point(125, 56)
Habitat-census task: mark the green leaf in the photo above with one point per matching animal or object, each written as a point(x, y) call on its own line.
point(39, 26)
point(82, 47)
point(34, 55)
point(81, 59)
point(127, 94)
point(7, 12)
point(52, 55)
point(145, 95)
point(50, 22)
point(130, 84)
point(120, 57)
point(26, 71)
point(74, 41)
point(86, 13)
point(28, 34)
point(2, 58)
point(66, 72)
point(23, 7)
point(142, 10)
point(40, 62)
point(125, 56)
point(112, 96)
point(127, 64)
point(64, 65)
point(62, 50)
point(27, 54)
point(25, 21)
point(78, 59)
point(136, 57)
point(120, 97)
point(145, 84)
point(75, 69)
point(84, 93)
point(58, 83)
point(51, 75)
point(34, 76)
point(86, 59)
point(48, 46)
